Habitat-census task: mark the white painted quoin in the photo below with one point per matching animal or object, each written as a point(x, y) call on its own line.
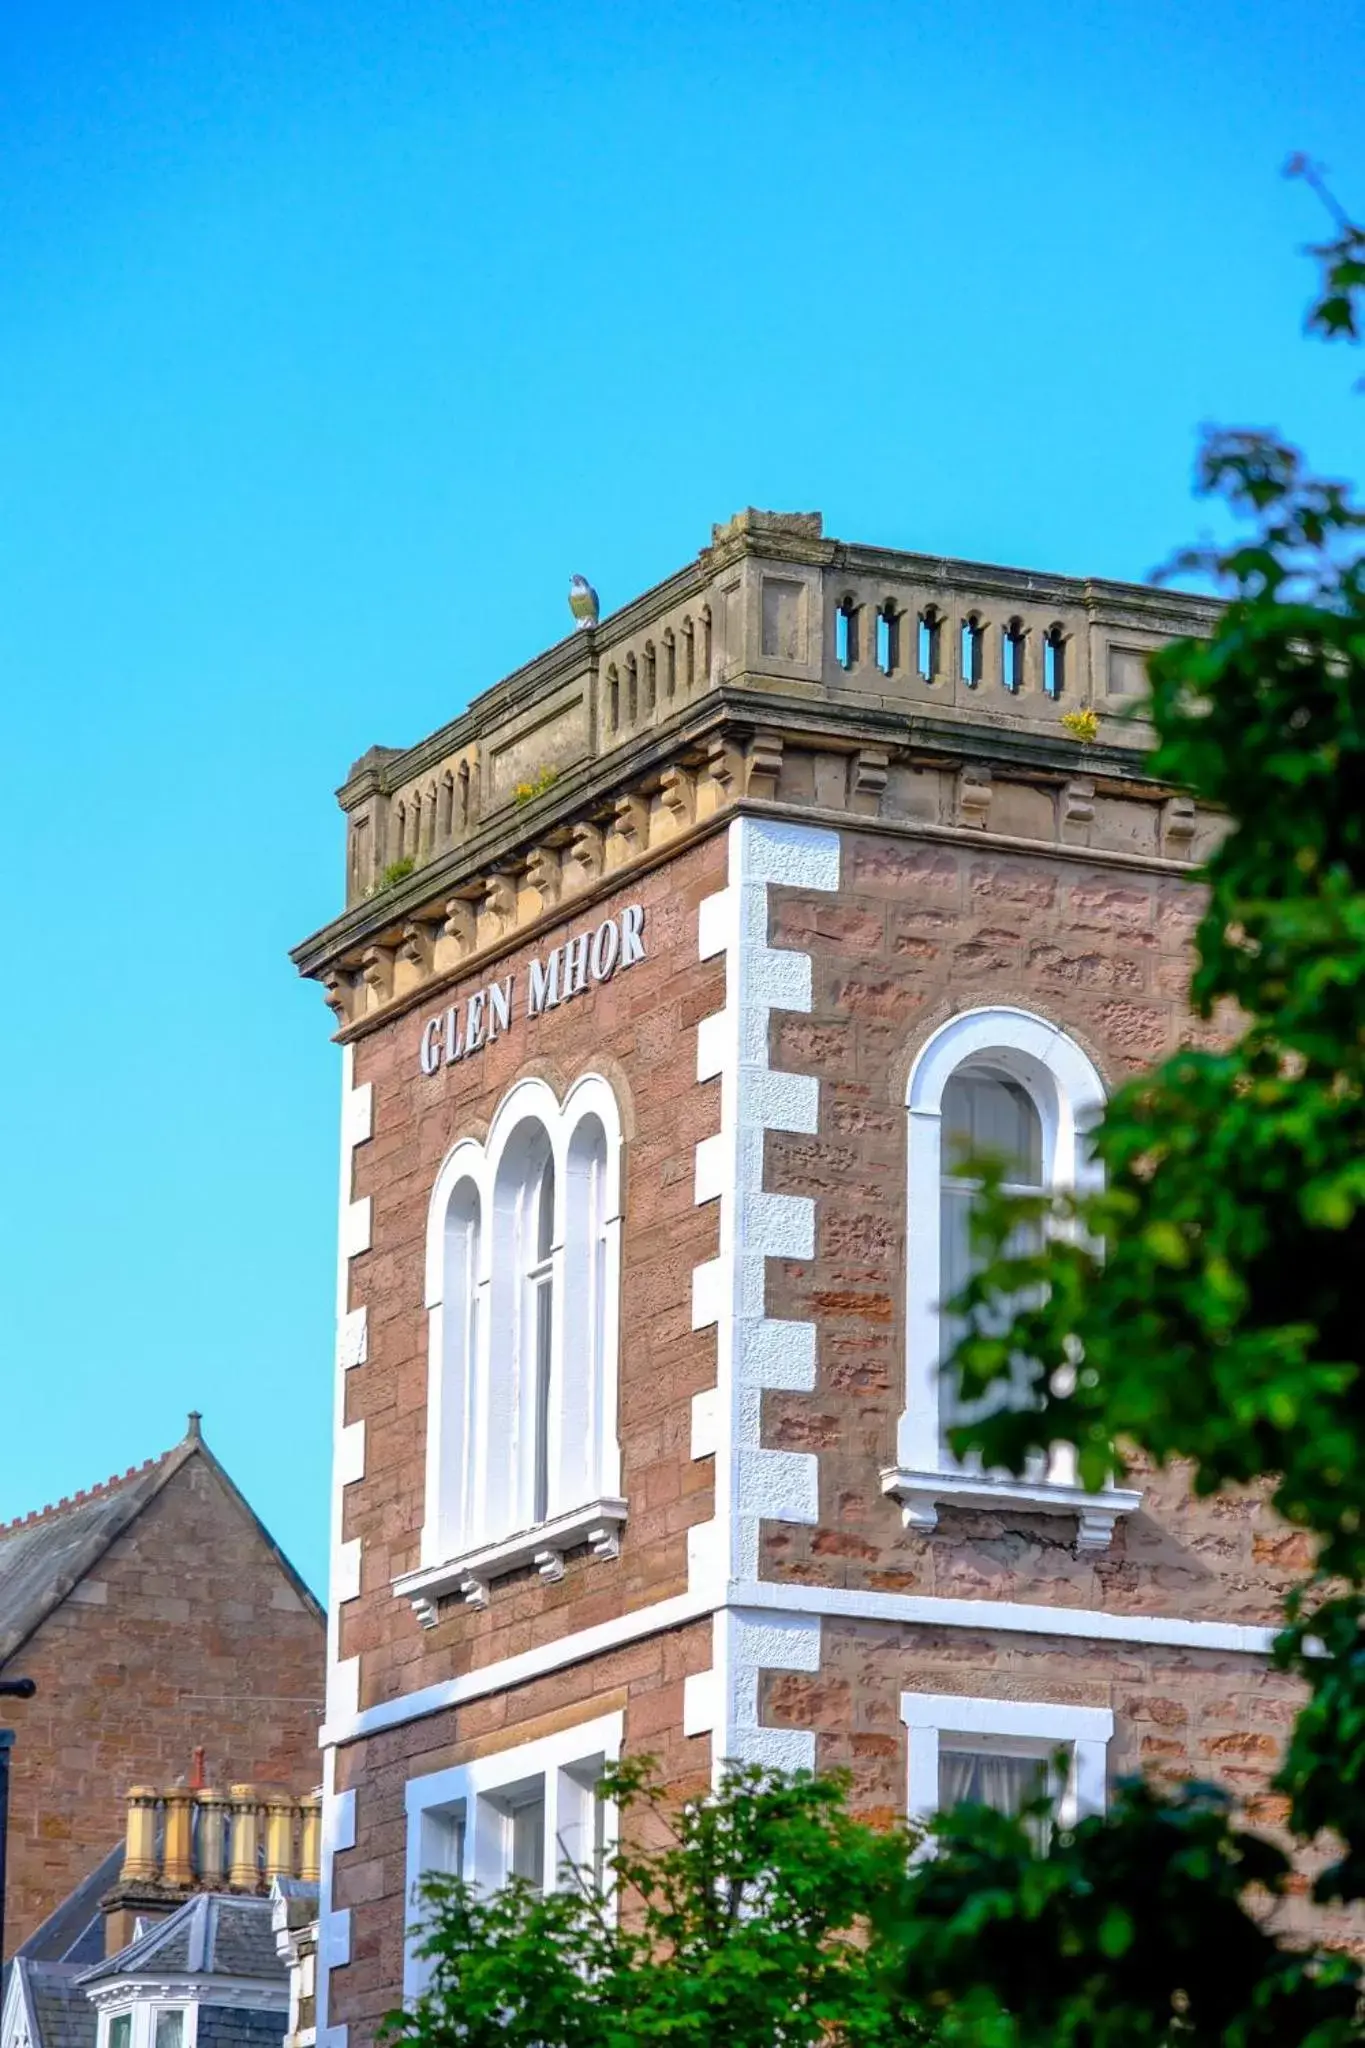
point(722, 924)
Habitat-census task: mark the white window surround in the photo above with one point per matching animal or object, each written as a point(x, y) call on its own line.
point(478, 1796)
point(1015, 1728)
point(478, 1526)
point(1069, 1096)
point(143, 2013)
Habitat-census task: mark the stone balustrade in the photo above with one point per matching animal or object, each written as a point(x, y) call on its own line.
point(779, 667)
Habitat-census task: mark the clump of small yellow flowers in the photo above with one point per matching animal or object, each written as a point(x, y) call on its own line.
point(527, 792)
point(1082, 725)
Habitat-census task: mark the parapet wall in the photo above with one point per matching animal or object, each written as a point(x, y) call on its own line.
point(779, 666)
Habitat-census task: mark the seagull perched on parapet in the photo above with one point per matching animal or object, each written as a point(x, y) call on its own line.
point(583, 601)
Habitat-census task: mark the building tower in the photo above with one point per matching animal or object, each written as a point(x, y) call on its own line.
point(670, 976)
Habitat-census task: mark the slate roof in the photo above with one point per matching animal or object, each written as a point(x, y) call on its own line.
point(212, 1935)
point(74, 1933)
point(59, 2013)
point(43, 1556)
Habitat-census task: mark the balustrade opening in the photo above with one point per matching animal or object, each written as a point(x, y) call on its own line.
point(973, 651)
point(846, 634)
point(888, 638)
point(930, 640)
point(1012, 655)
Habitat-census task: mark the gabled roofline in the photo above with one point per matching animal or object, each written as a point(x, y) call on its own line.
point(142, 1489)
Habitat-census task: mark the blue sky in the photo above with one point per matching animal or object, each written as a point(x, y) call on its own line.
point(333, 336)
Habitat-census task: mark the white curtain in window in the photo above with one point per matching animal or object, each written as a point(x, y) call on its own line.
point(983, 1112)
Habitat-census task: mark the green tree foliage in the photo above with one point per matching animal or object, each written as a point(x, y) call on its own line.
point(748, 1923)
point(1205, 1306)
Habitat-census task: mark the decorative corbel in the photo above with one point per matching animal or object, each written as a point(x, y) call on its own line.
point(605, 1540)
point(544, 875)
point(338, 992)
point(474, 1591)
point(678, 795)
point(425, 1610)
point(867, 773)
point(763, 766)
point(500, 897)
point(723, 764)
point(376, 970)
point(586, 851)
point(417, 945)
point(549, 1564)
point(973, 795)
point(459, 923)
point(1178, 818)
point(1076, 808)
point(630, 820)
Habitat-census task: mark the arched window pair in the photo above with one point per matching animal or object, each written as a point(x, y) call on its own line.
point(523, 1268)
point(1004, 1081)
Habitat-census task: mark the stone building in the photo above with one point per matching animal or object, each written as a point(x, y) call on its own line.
point(670, 975)
point(199, 1936)
point(157, 1615)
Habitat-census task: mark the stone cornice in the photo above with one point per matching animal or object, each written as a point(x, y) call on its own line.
point(778, 667)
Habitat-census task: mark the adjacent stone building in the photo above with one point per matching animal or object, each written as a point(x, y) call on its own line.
point(671, 975)
point(157, 1615)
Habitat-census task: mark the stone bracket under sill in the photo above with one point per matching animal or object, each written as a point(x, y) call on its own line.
point(922, 1494)
point(472, 1575)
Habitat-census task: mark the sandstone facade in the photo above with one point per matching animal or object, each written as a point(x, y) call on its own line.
point(857, 835)
point(166, 1620)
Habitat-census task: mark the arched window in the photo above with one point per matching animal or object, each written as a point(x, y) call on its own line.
point(1054, 661)
point(523, 1272)
point(521, 1361)
point(984, 1111)
point(1005, 1081)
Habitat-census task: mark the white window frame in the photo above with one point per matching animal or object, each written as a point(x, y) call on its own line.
point(482, 1792)
point(143, 2011)
point(1068, 1094)
point(1016, 1728)
point(478, 1524)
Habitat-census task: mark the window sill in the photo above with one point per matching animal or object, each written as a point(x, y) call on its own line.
point(922, 1494)
point(472, 1574)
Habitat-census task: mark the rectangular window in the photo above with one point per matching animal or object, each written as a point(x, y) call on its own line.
point(1004, 1779)
point(533, 1812)
point(121, 2030)
point(995, 1751)
point(527, 1847)
point(170, 2027)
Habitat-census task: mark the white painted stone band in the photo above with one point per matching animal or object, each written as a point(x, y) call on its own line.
point(832, 1603)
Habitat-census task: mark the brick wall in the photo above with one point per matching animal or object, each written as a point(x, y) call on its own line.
point(186, 1632)
point(917, 934)
point(642, 1680)
point(639, 1030)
